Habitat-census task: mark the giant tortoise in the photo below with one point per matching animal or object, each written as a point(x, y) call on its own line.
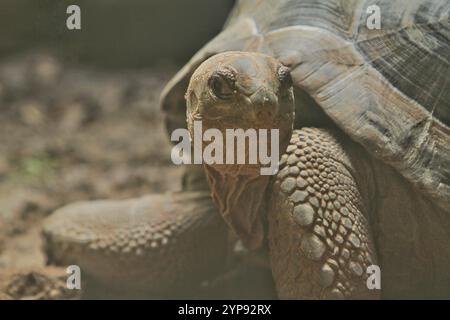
point(363, 185)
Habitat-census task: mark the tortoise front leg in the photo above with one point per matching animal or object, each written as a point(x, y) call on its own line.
point(320, 243)
point(162, 244)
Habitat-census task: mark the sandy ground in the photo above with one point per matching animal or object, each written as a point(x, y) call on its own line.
point(72, 133)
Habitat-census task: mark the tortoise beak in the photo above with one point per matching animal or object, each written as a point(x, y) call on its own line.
point(264, 104)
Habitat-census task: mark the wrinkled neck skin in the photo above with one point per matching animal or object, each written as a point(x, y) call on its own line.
point(242, 192)
point(242, 201)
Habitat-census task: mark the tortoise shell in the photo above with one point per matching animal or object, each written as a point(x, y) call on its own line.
point(387, 89)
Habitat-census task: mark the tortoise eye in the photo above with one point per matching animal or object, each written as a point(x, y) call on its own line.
point(222, 84)
point(284, 76)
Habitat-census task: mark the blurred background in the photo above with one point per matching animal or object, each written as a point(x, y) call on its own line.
point(115, 33)
point(79, 114)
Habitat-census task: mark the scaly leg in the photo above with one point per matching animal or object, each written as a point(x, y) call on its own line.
point(319, 237)
point(162, 243)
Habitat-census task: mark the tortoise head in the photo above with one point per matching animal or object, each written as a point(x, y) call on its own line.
point(240, 91)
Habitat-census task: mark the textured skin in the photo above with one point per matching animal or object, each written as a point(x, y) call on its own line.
point(396, 228)
point(320, 243)
point(153, 244)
